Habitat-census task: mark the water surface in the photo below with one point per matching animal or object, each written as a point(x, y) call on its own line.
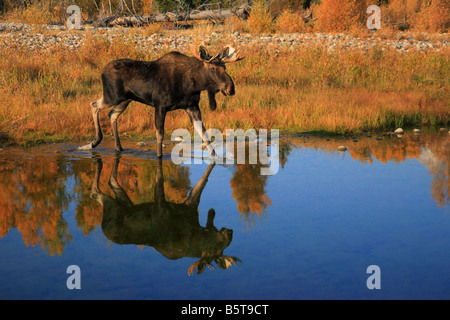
point(140, 228)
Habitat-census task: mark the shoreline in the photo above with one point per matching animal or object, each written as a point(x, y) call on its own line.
point(150, 140)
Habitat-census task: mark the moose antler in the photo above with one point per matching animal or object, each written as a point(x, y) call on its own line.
point(224, 262)
point(229, 55)
point(200, 266)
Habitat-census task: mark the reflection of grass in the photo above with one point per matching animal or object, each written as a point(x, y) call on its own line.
point(432, 149)
point(46, 96)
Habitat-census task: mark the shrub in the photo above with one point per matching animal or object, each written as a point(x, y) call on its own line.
point(289, 22)
point(282, 5)
point(34, 13)
point(402, 10)
point(260, 20)
point(341, 15)
point(236, 24)
point(434, 15)
point(399, 14)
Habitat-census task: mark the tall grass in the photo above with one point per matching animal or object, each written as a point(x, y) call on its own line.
point(46, 96)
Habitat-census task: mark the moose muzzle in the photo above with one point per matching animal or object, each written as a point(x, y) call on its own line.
point(229, 90)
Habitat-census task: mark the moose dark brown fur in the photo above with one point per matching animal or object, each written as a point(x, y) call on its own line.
point(172, 82)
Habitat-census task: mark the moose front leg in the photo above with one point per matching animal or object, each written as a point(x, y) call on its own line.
point(196, 119)
point(160, 117)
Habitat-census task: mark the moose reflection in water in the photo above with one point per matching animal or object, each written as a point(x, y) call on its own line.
point(173, 229)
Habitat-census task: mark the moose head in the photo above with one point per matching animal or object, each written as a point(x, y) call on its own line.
point(215, 72)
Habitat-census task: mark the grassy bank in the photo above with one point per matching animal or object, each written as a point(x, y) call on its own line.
point(46, 96)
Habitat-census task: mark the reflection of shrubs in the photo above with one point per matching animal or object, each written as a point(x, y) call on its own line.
point(248, 188)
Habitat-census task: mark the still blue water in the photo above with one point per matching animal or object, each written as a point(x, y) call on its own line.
point(308, 232)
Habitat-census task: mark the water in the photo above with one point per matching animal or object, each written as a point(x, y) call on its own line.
point(308, 232)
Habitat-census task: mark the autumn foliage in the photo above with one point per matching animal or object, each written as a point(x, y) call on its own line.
point(260, 21)
point(434, 16)
point(289, 22)
point(340, 15)
point(278, 16)
point(417, 15)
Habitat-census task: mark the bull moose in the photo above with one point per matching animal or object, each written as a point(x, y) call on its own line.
point(173, 229)
point(171, 82)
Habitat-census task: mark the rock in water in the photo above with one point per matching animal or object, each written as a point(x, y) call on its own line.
point(85, 147)
point(398, 131)
point(141, 144)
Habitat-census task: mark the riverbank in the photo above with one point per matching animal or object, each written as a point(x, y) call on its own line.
point(328, 83)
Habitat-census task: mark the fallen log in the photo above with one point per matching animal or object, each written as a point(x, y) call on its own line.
point(213, 15)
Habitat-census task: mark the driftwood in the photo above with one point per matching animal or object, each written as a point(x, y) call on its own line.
point(241, 12)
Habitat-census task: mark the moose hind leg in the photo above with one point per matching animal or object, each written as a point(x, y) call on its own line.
point(96, 107)
point(113, 115)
